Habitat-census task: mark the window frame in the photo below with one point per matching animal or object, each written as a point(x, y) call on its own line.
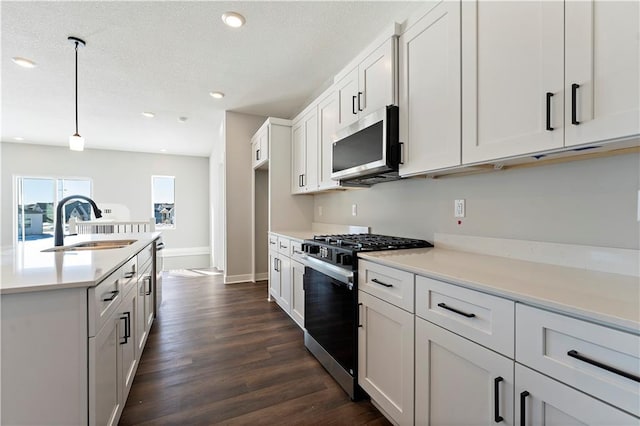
point(162, 226)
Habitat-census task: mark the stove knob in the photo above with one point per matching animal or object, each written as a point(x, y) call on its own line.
point(346, 260)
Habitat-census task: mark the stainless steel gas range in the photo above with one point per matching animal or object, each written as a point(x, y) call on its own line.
point(331, 305)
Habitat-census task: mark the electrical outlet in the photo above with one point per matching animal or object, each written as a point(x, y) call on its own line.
point(354, 210)
point(459, 208)
point(319, 210)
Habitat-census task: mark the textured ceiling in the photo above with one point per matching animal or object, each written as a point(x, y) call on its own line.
point(166, 57)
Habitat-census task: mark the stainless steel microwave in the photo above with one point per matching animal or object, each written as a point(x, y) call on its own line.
point(367, 151)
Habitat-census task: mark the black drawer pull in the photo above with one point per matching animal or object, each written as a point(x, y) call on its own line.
point(523, 414)
point(127, 327)
point(375, 280)
point(496, 399)
point(449, 308)
point(574, 354)
point(353, 105)
point(114, 294)
point(129, 274)
point(148, 278)
point(574, 104)
point(549, 96)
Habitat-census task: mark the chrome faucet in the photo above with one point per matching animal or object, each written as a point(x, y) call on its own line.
point(59, 236)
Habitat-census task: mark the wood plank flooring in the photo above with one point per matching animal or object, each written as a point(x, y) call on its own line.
point(224, 355)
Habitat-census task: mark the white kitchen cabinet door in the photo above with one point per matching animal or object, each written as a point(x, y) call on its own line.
point(602, 58)
point(377, 79)
point(328, 111)
point(430, 91)
point(347, 89)
point(512, 58)
point(541, 401)
point(457, 381)
point(284, 267)
point(140, 320)
point(127, 343)
point(310, 177)
point(386, 355)
point(104, 377)
point(298, 157)
point(274, 274)
point(297, 292)
point(149, 306)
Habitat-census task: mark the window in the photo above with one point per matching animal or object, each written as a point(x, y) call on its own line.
point(37, 198)
point(163, 200)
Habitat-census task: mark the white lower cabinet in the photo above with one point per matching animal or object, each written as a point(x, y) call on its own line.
point(104, 374)
point(386, 356)
point(297, 292)
point(459, 382)
point(128, 349)
point(285, 283)
point(542, 401)
point(274, 275)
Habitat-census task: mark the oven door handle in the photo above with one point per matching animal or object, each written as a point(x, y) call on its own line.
point(340, 274)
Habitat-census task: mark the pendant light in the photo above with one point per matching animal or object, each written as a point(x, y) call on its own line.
point(76, 142)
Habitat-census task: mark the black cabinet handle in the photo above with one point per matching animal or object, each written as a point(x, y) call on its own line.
point(359, 101)
point(303, 179)
point(375, 280)
point(272, 242)
point(523, 414)
point(114, 294)
point(359, 316)
point(549, 96)
point(159, 246)
point(574, 104)
point(353, 105)
point(401, 149)
point(574, 354)
point(496, 398)
point(127, 327)
point(129, 274)
point(449, 308)
point(148, 279)
point(257, 154)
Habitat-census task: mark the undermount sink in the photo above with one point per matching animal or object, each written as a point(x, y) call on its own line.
point(94, 245)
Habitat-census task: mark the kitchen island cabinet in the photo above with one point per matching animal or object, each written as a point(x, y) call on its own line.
point(68, 337)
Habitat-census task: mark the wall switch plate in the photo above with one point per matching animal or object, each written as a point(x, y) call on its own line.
point(354, 210)
point(459, 208)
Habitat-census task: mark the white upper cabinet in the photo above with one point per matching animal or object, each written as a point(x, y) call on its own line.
point(512, 79)
point(304, 176)
point(328, 110)
point(429, 58)
point(370, 86)
point(602, 59)
point(260, 147)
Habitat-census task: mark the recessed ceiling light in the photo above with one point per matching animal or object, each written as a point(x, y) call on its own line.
point(182, 119)
point(18, 138)
point(233, 19)
point(217, 95)
point(163, 150)
point(23, 62)
point(148, 114)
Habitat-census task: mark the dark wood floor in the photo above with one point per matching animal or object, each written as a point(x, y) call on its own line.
point(224, 355)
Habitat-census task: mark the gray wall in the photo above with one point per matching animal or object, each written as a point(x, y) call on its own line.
point(587, 202)
point(238, 180)
point(118, 177)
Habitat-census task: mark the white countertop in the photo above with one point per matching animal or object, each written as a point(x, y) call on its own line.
point(612, 299)
point(296, 235)
point(25, 268)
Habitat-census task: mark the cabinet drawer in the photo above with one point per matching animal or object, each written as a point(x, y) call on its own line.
point(295, 249)
point(273, 242)
point(129, 277)
point(549, 342)
point(485, 319)
point(389, 284)
point(283, 246)
point(145, 256)
point(106, 296)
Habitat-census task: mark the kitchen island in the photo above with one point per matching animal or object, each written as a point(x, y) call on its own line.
point(74, 324)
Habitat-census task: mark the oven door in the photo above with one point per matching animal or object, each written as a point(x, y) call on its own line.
point(330, 312)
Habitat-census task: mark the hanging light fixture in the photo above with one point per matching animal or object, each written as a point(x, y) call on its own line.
point(76, 142)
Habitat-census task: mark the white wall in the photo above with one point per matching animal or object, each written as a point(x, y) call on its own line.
point(587, 202)
point(216, 197)
point(238, 179)
point(123, 178)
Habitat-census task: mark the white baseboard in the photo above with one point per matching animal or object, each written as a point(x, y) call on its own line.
point(235, 279)
point(262, 276)
point(186, 251)
point(602, 259)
